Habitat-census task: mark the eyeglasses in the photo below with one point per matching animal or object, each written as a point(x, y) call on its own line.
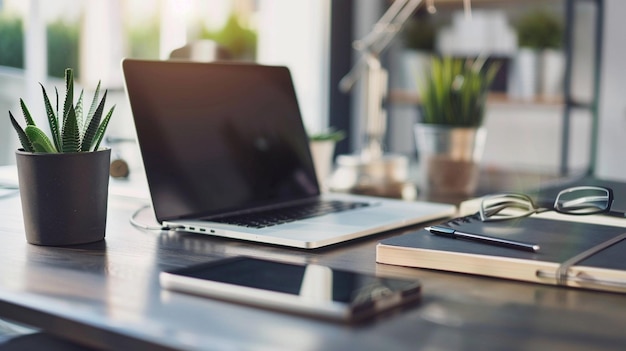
point(580, 200)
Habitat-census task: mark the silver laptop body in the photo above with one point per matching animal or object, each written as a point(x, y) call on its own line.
point(222, 139)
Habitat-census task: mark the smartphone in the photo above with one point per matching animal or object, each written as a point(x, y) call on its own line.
point(312, 290)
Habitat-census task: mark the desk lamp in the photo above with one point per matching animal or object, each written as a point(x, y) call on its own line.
point(372, 170)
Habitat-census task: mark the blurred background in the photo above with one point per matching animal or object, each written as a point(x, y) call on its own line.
point(541, 117)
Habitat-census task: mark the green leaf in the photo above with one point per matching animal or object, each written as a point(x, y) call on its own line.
point(94, 122)
point(56, 91)
point(79, 113)
point(53, 121)
point(27, 116)
point(101, 129)
point(92, 108)
point(26, 144)
point(69, 93)
point(40, 141)
point(71, 135)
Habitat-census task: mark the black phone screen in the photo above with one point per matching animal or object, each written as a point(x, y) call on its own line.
point(305, 280)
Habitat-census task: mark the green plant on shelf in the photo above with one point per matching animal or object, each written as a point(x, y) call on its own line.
point(71, 131)
point(419, 33)
point(540, 29)
point(455, 90)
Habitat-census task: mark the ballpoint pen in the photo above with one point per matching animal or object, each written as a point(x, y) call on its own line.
point(455, 234)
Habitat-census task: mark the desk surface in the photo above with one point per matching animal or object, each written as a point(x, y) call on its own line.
point(107, 295)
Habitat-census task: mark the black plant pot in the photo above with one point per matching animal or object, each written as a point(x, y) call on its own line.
point(64, 196)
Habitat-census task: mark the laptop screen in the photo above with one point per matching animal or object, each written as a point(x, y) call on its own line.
point(217, 138)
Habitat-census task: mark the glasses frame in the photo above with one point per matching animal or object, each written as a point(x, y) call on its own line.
point(525, 203)
point(587, 199)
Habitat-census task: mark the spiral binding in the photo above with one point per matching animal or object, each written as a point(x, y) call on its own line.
point(463, 220)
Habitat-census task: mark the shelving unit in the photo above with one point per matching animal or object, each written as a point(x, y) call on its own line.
point(494, 98)
point(568, 101)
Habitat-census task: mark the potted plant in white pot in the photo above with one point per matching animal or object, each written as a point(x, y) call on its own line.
point(322, 147)
point(538, 66)
point(450, 136)
point(64, 179)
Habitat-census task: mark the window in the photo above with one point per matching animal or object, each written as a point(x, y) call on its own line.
point(39, 39)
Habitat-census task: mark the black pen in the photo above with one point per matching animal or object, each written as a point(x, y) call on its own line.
point(455, 234)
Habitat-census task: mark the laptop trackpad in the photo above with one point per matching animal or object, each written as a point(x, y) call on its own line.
point(370, 217)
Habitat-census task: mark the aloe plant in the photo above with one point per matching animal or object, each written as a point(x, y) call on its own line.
point(72, 131)
point(454, 92)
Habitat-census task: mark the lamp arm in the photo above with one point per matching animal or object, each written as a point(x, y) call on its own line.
point(379, 38)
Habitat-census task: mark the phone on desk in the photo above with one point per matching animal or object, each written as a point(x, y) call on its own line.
point(311, 289)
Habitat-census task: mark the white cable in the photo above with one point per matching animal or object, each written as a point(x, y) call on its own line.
point(137, 224)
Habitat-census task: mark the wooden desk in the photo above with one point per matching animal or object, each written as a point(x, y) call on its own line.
point(107, 295)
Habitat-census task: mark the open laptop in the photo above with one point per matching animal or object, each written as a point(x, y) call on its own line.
point(225, 152)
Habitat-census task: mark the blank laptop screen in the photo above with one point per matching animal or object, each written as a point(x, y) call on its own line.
point(218, 137)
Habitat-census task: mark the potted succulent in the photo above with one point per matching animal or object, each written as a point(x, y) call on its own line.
point(322, 147)
point(451, 136)
point(63, 179)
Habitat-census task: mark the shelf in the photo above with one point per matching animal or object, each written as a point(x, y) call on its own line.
point(495, 98)
point(454, 5)
point(491, 2)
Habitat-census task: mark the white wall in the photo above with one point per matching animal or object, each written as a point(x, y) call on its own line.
point(527, 137)
point(612, 137)
point(296, 34)
point(11, 81)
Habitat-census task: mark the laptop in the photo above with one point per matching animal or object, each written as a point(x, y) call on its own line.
point(225, 153)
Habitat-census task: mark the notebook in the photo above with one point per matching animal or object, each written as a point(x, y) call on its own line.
point(223, 144)
point(571, 253)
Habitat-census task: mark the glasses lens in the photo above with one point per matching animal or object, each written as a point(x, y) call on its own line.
point(583, 200)
point(505, 206)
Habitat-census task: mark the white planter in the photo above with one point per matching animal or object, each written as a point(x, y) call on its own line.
point(449, 159)
point(524, 74)
point(322, 152)
point(552, 73)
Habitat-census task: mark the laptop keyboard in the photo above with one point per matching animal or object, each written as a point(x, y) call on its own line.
point(272, 217)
